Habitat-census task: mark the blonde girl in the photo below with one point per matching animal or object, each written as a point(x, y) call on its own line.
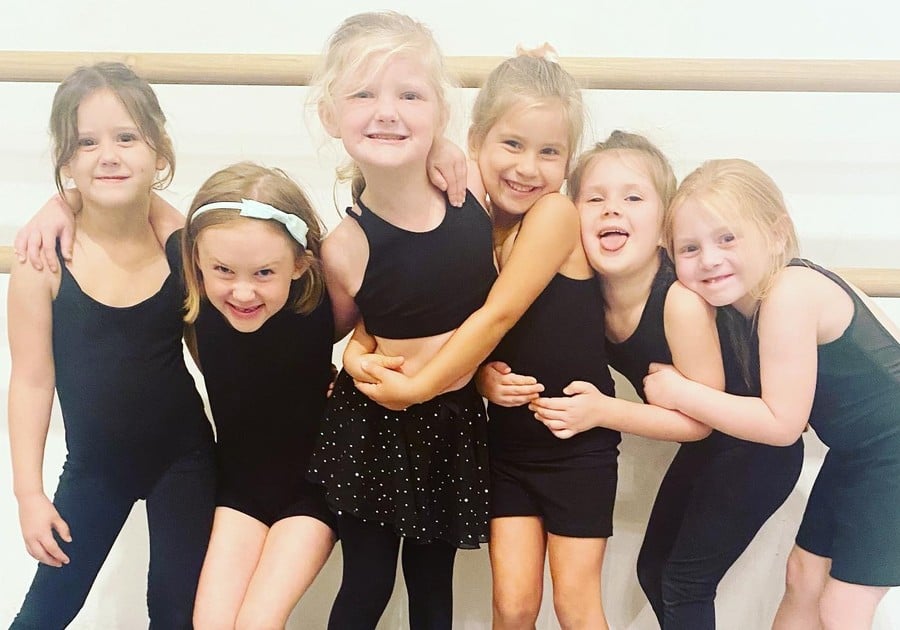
point(826, 357)
point(549, 498)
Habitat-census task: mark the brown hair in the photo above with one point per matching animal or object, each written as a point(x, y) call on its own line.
point(272, 186)
point(656, 163)
point(136, 96)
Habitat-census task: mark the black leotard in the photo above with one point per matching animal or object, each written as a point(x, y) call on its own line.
point(130, 407)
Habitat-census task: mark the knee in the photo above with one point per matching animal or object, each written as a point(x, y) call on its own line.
point(578, 609)
point(802, 579)
point(209, 619)
point(682, 585)
point(516, 613)
point(258, 620)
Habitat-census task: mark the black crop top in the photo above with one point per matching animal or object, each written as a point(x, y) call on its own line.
point(419, 284)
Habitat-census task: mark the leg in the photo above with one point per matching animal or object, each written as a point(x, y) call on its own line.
point(370, 565)
point(428, 574)
point(95, 512)
point(517, 550)
point(234, 551)
point(846, 606)
point(180, 511)
point(294, 552)
point(742, 485)
point(575, 565)
point(805, 581)
point(665, 522)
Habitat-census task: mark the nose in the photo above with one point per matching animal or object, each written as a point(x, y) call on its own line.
point(710, 257)
point(387, 109)
point(611, 208)
point(526, 165)
point(109, 153)
point(243, 291)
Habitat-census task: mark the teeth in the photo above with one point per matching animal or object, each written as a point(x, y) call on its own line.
point(519, 187)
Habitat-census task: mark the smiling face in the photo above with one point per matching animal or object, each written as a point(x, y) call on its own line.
point(524, 155)
point(724, 264)
point(247, 266)
point(387, 115)
point(113, 164)
point(621, 213)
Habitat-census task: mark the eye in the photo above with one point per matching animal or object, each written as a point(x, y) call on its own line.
point(127, 137)
point(550, 151)
point(411, 96)
point(221, 269)
point(265, 273)
point(634, 198)
point(86, 142)
point(361, 94)
point(727, 238)
point(688, 249)
point(513, 144)
point(596, 199)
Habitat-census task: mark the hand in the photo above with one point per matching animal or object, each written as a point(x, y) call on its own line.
point(390, 388)
point(38, 519)
point(571, 415)
point(361, 367)
point(36, 242)
point(447, 170)
point(662, 385)
point(497, 383)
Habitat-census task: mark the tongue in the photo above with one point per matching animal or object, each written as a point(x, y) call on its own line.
point(613, 241)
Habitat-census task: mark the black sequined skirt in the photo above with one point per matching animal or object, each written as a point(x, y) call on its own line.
point(422, 471)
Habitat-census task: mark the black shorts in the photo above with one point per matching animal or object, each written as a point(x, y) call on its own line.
point(573, 496)
point(304, 499)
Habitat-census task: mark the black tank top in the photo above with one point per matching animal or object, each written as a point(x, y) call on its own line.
point(129, 404)
point(857, 399)
point(559, 339)
point(419, 284)
point(267, 391)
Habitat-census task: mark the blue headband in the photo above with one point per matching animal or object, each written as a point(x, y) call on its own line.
point(258, 210)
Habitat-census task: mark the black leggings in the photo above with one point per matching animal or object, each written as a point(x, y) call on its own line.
point(713, 499)
point(370, 565)
point(179, 516)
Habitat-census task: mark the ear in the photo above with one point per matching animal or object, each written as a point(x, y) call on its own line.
point(301, 265)
point(161, 163)
point(328, 117)
point(66, 172)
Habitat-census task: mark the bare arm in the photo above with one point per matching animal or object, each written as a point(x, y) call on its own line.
point(164, 218)
point(788, 338)
point(345, 252)
point(691, 334)
point(360, 354)
point(31, 387)
point(546, 238)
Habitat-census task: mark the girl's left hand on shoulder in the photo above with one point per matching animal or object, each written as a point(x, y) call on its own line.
point(662, 385)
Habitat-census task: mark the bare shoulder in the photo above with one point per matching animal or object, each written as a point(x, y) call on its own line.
point(682, 304)
point(555, 212)
point(26, 281)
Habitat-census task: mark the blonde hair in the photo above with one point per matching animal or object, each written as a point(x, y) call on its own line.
point(739, 193)
point(246, 180)
point(530, 77)
point(136, 96)
point(654, 161)
point(365, 37)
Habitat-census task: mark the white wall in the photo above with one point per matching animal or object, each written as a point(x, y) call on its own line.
point(835, 156)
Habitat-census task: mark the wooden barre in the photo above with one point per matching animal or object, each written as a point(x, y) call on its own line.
point(757, 75)
point(874, 282)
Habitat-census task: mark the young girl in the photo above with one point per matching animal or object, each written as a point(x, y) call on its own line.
point(825, 358)
point(414, 267)
point(718, 491)
point(549, 498)
point(264, 331)
point(105, 332)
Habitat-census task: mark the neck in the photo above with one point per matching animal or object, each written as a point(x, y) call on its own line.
point(401, 197)
point(627, 290)
point(115, 222)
